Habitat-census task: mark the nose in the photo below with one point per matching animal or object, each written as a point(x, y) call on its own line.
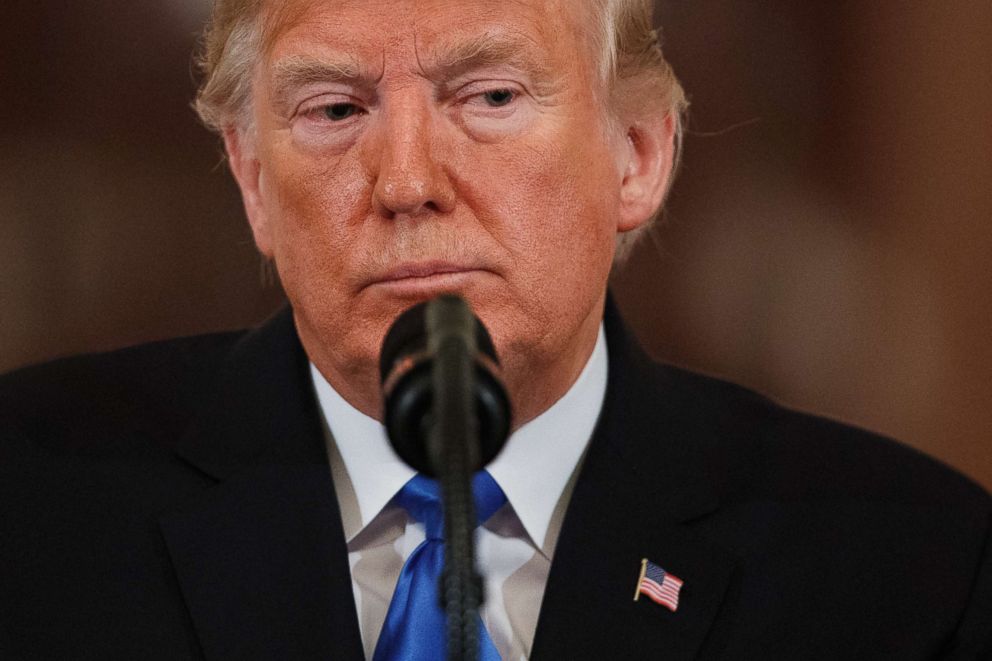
point(411, 178)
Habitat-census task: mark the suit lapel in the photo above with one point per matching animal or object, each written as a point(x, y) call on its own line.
point(646, 476)
point(261, 558)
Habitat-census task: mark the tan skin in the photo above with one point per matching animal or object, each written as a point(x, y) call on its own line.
point(406, 148)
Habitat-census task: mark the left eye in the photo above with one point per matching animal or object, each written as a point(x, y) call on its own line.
point(499, 97)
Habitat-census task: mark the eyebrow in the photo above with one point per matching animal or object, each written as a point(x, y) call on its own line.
point(297, 71)
point(488, 49)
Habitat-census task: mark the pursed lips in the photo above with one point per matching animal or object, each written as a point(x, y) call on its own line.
point(420, 277)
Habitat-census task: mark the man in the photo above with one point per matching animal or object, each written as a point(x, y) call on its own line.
point(176, 501)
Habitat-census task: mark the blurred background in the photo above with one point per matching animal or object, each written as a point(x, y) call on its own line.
point(828, 240)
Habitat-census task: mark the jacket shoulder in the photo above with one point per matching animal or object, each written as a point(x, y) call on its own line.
point(94, 403)
point(784, 453)
point(826, 454)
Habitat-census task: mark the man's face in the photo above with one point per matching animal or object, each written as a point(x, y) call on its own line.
point(406, 148)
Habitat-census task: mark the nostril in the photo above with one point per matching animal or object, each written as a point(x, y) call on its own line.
point(411, 181)
point(404, 197)
point(411, 196)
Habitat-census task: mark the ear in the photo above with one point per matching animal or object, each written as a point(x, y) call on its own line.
point(247, 171)
point(649, 155)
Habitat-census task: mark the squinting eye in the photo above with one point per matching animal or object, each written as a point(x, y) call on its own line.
point(497, 98)
point(339, 111)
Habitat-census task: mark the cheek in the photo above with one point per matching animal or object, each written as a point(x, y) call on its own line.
point(308, 192)
point(316, 206)
point(551, 205)
point(557, 197)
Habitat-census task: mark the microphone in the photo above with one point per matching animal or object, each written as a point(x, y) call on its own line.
point(424, 342)
point(447, 415)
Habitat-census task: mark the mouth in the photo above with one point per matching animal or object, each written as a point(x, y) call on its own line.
point(425, 279)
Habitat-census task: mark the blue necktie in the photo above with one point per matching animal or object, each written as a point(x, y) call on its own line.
point(414, 629)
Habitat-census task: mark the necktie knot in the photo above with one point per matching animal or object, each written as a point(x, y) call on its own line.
point(414, 629)
point(421, 498)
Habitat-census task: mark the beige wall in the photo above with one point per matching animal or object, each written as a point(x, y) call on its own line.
point(835, 252)
point(827, 242)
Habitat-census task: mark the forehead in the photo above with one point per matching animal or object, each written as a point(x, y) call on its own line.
point(374, 28)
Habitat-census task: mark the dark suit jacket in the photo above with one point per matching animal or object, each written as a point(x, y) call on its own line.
point(174, 501)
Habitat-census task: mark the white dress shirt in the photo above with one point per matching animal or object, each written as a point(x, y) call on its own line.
point(514, 548)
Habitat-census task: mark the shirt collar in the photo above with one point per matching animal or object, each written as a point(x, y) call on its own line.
point(533, 469)
point(376, 472)
point(540, 457)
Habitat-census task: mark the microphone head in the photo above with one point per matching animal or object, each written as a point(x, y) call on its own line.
point(405, 367)
point(408, 337)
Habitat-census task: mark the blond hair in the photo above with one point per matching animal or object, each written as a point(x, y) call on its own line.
point(638, 78)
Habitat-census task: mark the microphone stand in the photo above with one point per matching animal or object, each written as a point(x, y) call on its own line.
point(453, 445)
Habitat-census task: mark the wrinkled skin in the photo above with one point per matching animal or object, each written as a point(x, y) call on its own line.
point(405, 148)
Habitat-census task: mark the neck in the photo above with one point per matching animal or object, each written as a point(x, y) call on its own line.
point(536, 376)
point(536, 382)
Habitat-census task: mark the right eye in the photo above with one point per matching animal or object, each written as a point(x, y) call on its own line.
point(330, 108)
point(337, 112)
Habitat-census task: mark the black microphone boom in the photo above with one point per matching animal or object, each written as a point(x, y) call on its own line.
point(406, 368)
point(447, 415)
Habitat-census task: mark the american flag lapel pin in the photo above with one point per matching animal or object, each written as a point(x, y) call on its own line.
point(658, 585)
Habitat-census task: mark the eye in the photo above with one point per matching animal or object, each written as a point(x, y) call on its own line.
point(339, 111)
point(498, 97)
